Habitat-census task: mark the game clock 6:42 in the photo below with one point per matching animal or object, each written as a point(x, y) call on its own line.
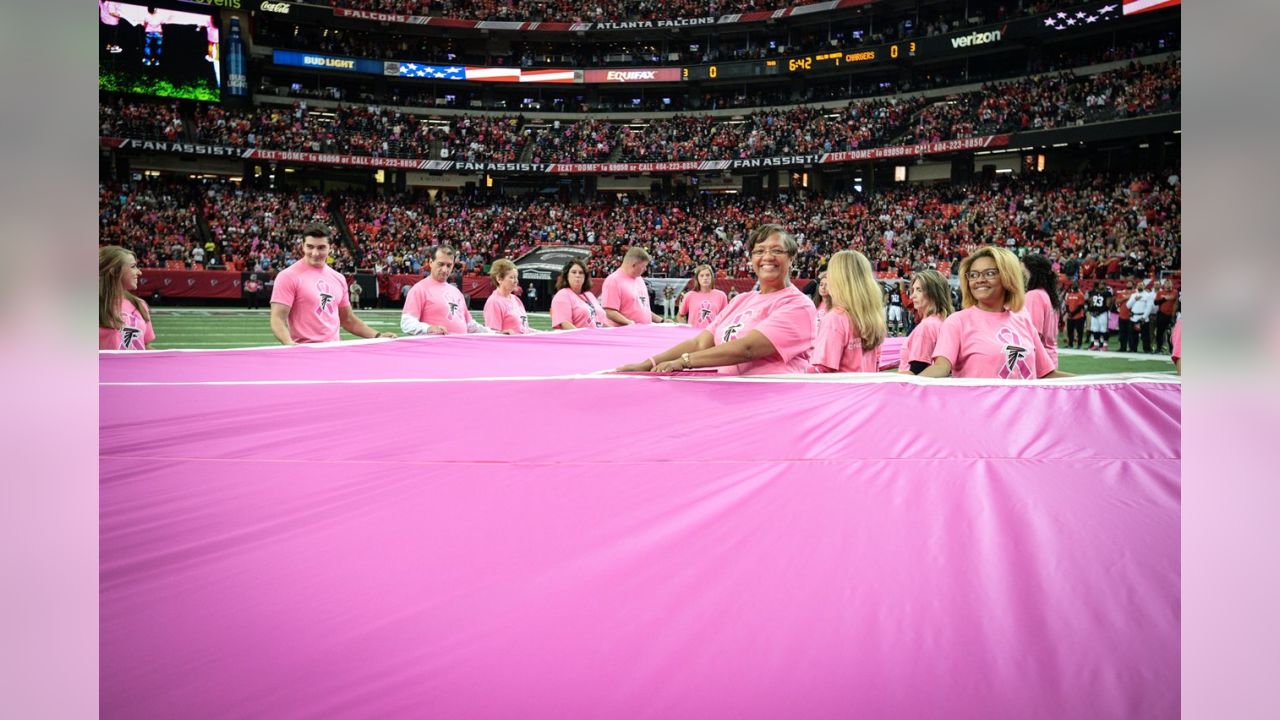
point(832, 60)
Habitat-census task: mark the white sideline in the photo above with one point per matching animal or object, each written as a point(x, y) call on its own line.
point(808, 378)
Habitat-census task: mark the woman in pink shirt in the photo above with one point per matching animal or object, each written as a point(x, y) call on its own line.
point(704, 302)
point(851, 333)
point(769, 330)
point(991, 337)
point(1175, 341)
point(1042, 301)
point(931, 298)
point(124, 320)
point(503, 311)
point(574, 305)
point(821, 300)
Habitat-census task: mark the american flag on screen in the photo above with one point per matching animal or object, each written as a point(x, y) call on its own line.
point(1133, 7)
point(435, 72)
point(1069, 19)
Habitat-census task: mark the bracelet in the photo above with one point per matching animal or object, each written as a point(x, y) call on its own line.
point(652, 363)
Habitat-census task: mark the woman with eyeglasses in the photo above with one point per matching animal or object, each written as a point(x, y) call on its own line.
point(992, 337)
point(769, 330)
point(850, 336)
point(931, 299)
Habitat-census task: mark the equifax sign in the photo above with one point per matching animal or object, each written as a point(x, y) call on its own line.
point(632, 76)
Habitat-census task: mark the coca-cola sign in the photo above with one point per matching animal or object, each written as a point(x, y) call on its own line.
point(275, 7)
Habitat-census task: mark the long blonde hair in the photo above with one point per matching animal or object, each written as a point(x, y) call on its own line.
point(112, 261)
point(854, 288)
point(1011, 276)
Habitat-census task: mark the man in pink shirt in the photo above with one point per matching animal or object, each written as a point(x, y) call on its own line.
point(309, 301)
point(433, 306)
point(624, 296)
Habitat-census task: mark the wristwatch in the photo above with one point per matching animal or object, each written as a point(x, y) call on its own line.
point(685, 364)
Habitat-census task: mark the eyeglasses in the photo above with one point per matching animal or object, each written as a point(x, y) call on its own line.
point(988, 274)
point(771, 252)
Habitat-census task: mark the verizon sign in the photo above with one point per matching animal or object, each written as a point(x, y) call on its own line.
point(632, 75)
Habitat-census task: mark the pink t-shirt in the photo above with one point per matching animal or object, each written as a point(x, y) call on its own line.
point(701, 308)
point(1045, 318)
point(1175, 340)
point(920, 343)
point(784, 316)
point(628, 296)
point(135, 332)
point(839, 347)
point(109, 13)
point(1002, 345)
point(314, 296)
point(581, 311)
point(506, 314)
point(437, 303)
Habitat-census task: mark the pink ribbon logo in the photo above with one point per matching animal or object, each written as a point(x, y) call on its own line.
point(1014, 355)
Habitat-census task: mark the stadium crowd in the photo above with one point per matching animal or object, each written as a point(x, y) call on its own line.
point(936, 20)
point(153, 220)
point(1092, 226)
point(1032, 103)
point(145, 121)
point(1050, 101)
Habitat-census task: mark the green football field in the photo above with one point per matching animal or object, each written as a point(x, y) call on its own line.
point(208, 329)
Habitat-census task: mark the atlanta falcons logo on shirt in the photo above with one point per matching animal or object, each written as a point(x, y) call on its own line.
point(705, 312)
point(325, 296)
point(453, 308)
point(731, 331)
point(1014, 356)
point(127, 336)
point(643, 299)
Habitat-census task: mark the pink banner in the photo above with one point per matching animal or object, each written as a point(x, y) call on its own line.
point(627, 546)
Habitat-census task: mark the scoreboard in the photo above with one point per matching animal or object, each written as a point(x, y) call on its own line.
point(803, 64)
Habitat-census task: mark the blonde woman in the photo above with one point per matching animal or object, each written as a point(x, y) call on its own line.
point(503, 311)
point(931, 297)
point(992, 337)
point(852, 331)
point(124, 320)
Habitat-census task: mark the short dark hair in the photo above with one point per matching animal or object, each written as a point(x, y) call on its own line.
point(446, 249)
point(316, 229)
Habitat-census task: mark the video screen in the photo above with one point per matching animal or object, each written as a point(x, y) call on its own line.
point(158, 51)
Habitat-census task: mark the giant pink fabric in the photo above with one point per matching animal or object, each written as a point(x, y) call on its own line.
point(752, 550)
